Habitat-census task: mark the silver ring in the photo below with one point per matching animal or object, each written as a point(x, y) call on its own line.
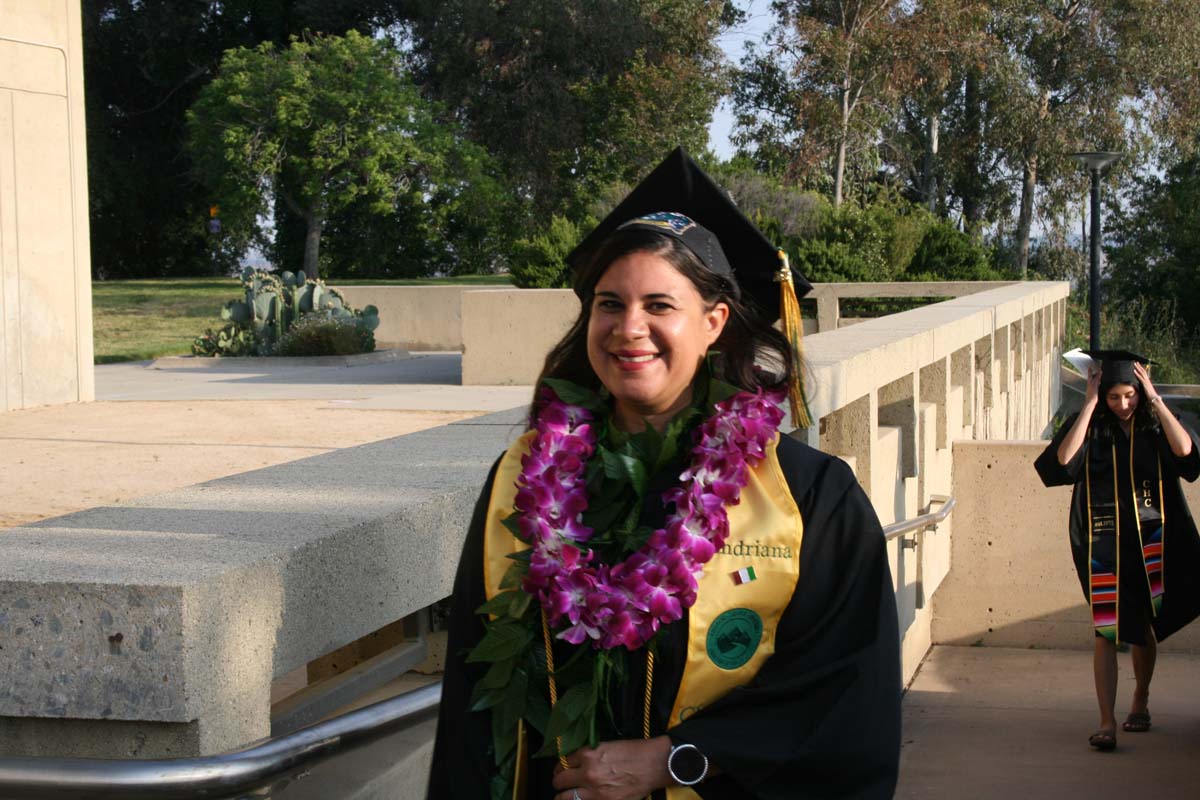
point(575, 794)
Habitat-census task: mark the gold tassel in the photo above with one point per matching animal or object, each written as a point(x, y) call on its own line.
point(793, 329)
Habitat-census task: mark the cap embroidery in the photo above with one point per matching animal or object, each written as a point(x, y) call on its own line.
point(676, 223)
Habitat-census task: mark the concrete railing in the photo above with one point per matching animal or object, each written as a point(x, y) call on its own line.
point(892, 394)
point(155, 628)
point(498, 328)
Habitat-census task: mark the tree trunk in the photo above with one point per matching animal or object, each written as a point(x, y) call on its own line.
point(1025, 220)
point(929, 178)
point(312, 245)
point(839, 170)
point(970, 186)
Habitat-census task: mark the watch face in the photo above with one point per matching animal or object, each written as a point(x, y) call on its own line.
point(688, 764)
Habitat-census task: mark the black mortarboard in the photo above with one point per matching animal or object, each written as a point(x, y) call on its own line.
point(722, 238)
point(1116, 366)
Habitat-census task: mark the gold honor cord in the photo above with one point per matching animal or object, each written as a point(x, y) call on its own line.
point(562, 760)
point(1117, 528)
point(646, 707)
point(793, 329)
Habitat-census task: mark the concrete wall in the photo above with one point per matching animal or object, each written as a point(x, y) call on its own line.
point(45, 269)
point(413, 317)
point(1013, 582)
point(507, 332)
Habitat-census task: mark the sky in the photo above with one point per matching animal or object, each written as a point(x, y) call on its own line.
point(733, 42)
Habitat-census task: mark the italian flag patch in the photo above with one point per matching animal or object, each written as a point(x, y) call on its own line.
point(744, 575)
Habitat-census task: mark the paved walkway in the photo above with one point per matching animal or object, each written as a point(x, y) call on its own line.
point(173, 423)
point(984, 723)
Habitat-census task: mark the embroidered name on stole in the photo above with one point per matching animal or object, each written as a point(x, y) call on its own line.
point(1104, 528)
point(739, 619)
point(1151, 514)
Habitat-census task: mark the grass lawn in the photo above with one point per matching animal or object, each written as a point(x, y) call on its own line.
point(139, 320)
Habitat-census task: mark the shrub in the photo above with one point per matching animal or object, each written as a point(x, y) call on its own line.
point(235, 339)
point(540, 262)
point(272, 304)
point(948, 254)
point(320, 334)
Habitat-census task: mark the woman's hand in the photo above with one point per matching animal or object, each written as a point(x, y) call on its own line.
point(1092, 395)
point(625, 769)
point(1177, 437)
point(1143, 375)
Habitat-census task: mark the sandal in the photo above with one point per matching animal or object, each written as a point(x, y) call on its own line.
point(1103, 740)
point(1137, 722)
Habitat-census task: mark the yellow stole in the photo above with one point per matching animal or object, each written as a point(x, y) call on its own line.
point(731, 627)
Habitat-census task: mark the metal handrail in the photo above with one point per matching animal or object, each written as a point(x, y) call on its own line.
point(920, 524)
point(222, 776)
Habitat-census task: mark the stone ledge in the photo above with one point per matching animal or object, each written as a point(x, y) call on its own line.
point(259, 362)
point(182, 607)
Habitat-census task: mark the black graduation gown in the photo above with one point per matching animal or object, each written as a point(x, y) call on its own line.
point(822, 717)
point(1181, 545)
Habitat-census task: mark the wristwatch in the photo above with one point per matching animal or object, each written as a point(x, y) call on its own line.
point(686, 765)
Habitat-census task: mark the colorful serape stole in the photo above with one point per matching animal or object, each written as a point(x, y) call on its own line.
point(1104, 556)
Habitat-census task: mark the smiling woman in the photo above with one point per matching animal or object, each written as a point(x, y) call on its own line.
point(659, 595)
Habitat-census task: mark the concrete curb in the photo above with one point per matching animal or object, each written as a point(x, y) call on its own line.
point(255, 362)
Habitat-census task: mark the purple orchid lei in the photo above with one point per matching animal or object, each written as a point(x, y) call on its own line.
point(625, 604)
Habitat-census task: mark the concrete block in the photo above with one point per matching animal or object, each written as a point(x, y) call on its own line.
point(238, 581)
point(507, 332)
point(414, 317)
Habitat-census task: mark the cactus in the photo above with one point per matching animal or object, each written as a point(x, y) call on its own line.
point(272, 305)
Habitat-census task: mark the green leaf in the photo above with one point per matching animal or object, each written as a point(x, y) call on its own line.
point(571, 716)
point(498, 674)
point(618, 466)
point(503, 640)
point(574, 394)
point(499, 605)
point(483, 698)
point(522, 556)
point(514, 574)
point(537, 712)
point(506, 715)
point(512, 522)
point(520, 605)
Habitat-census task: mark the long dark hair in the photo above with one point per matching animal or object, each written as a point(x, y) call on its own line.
point(1143, 416)
point(753, 353)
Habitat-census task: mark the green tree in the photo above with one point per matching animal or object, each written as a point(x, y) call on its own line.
point(575, 95)
point(328, 123)
point(1154, 247)
point(1065, 76)
point(145, 64)
point(826, 83)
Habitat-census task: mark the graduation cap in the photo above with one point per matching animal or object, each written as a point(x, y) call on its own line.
point(1116, 366)
point(722, 238)
point(678, 199)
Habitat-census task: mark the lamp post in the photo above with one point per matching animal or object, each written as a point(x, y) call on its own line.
point(1095, 162)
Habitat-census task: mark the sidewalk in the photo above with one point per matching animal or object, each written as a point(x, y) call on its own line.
point(157, 426)
point(983, 723)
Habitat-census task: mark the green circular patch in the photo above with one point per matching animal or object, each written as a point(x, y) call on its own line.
point(733, 637)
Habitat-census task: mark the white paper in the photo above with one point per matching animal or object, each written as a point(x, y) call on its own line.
point(1080, 360)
